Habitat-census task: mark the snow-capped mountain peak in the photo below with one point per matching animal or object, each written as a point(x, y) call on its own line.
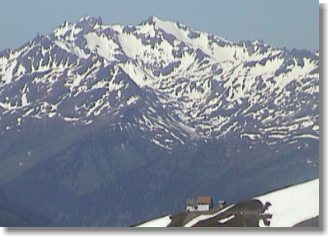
point(91, 20)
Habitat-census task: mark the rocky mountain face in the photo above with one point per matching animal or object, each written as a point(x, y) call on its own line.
point(107, 125)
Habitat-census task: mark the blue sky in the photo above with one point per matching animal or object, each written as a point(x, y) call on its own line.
point(281, 23)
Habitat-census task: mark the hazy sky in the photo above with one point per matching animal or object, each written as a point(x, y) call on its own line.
point(281, 23)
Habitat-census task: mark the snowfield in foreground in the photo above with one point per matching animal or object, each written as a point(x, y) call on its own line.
point(160, 222)
point(282, 208)
point(293, 205)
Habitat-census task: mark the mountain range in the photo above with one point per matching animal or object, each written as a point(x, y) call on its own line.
point(109, 125)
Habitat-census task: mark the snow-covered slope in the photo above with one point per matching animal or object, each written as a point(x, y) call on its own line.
point(293, 205)
point(282, 208)
point(181, 83)
point(160, 222)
